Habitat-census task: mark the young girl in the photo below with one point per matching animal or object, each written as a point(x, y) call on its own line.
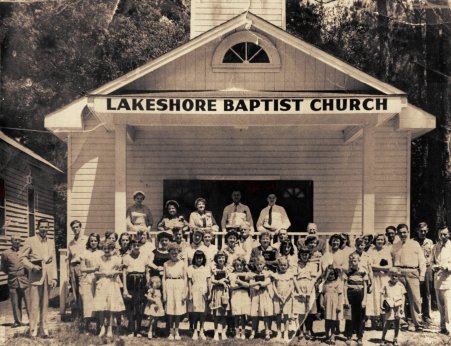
point(135, 277)
point(392, 298)
point(261, 298)
point(304, 291)
point(154, 308)
point(219, 302)
point(108, 297)
point(355, 291)
point(240, 300)
point(283, 297)
point(87, 280)
point(209, 249)
point(199, 282)
point(331, 301)
point(174, 290)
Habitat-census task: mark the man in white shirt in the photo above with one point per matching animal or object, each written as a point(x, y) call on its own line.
point(235, 215)
point(441, 265)
point(273, 218)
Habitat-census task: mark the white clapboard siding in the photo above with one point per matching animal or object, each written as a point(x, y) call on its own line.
point(91, 187)
point(193, 71)
point(391, 177)
point(294, 153)
point(207, 14)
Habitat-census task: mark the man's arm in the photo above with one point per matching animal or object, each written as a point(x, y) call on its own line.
point(224, 219)
point(421, 262)
point(24, 253)
point(285, 220)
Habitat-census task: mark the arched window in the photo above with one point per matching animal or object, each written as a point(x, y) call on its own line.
point(246, 51)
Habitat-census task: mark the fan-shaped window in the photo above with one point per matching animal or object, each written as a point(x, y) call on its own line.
point(246, 51)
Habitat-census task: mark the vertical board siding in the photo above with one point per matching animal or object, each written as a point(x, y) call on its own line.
point(391, 176)
point(92, 179)
point(298, 72)
point(291, 153)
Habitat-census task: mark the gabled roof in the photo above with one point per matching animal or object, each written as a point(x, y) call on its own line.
point(12, 142)
point(58, 121)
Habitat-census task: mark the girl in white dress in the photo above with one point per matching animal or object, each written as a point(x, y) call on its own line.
point(240, 299)
point(108, 298)
point(154, 308)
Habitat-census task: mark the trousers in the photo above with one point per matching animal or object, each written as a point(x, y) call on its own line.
point(17, 295)
point(39, 302)
point(411, 280)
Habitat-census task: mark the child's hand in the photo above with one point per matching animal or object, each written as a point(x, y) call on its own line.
point(338, 310)
point(346, 305)
point(363, 304)
point(257, 287)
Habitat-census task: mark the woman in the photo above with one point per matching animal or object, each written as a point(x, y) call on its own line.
point(201, 218)
point(124, 243)
point(173, 220)
point(160, 254)
point(87, 279)
point(139, 217)
point(335, 257)
point(381, 263)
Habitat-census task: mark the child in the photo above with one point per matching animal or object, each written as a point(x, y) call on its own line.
point(304, 291)
point(199, 282)
point(135, 276)
point(108, 297)
point(240, 300)
point(355, 290)
point(261, 298)
point(231, 249)
point(154, 308)
point(175, 284)
point(392, 298)
point(265, 249)
point(219, 302)
point(283, 297)
point(209, 249)
point(331, 301)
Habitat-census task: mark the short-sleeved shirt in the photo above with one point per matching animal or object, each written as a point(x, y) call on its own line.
point(137, 264)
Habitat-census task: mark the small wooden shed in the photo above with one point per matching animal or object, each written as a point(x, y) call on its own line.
point(26, 193)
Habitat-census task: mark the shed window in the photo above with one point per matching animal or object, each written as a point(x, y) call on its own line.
point(2, 207)
point(31, 212)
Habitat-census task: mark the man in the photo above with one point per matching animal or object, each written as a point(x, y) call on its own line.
point(390, 233)
point(441, 265)
point(38, 256)
point(273, 218)
point(235, 215)
point(428, 285)
point(17, 280)
point(76, 247)
point(408, 256)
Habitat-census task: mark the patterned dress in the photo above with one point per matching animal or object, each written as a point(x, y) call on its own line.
point(333, 300)
point(154, 309)
point(219, 302)
point(305, 278)
point(283, 283)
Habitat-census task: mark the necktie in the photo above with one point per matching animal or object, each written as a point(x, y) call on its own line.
point(204, 221)
point(270, 216)
point(235, 209)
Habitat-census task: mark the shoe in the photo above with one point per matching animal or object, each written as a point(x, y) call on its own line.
point(131, 335)
point(16, 325)
point(149, 335)
point(195, 335)
point(286, 338)
point(359, 342)
point(268, 336)
point(279, 336)
point(34, 334)
point(444, 331)
point(138, 335)
point(202, 335)
point(243, 336)
point(395, 342)
point(177, 337)
point(45, 333)
point(102, 331)
point(216, 337)
point(348, 341)
point(419, 328)
point(238, 336)
point(171, 337)
point(252, 336)
point(223, 336)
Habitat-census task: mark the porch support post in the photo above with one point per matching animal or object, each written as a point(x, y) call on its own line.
point(368, 184)
point(120, 178)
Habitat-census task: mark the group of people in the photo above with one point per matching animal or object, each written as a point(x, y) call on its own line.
point(256, 276)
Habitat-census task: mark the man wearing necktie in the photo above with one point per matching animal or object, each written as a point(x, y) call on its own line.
point(235, 215)
point(39, 257)
point(273, 217)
